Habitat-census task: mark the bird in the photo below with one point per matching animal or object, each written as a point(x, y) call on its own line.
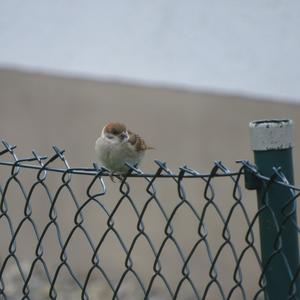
point(117, 146)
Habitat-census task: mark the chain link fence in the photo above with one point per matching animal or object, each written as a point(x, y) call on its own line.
point(73, 233)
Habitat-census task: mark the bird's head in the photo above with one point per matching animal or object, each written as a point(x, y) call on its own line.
point(116, 133)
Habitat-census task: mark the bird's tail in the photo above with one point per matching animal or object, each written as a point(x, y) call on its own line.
point(150, 148)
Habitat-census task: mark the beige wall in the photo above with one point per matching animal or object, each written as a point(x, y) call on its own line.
point(38, 111)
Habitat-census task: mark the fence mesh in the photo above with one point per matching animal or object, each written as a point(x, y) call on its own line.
point(73, 233)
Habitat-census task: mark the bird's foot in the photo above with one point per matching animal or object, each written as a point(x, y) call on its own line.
point(115, 174)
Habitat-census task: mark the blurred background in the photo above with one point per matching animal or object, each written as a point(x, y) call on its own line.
point(187, 76)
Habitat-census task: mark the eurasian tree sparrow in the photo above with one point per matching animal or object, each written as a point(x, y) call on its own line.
point(118, 145)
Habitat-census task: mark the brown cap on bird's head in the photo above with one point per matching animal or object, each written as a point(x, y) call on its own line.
point(135, 140)
point(114, 128)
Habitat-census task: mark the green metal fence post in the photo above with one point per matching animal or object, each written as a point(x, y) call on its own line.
point(271, 141)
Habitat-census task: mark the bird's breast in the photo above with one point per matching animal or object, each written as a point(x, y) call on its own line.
point(114, 156)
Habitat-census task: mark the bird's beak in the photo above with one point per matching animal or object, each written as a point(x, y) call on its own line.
point(124, 136)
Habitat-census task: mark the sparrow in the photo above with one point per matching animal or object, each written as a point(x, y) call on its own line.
point(117, 145)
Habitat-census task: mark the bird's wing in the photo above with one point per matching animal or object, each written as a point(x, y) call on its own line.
point(137, 142)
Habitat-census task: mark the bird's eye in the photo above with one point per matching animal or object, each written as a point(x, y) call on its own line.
point(114, 131)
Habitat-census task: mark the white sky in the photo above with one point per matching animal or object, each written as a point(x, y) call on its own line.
point(249, 47)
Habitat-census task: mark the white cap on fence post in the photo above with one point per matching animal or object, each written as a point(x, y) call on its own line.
point(276, 134)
